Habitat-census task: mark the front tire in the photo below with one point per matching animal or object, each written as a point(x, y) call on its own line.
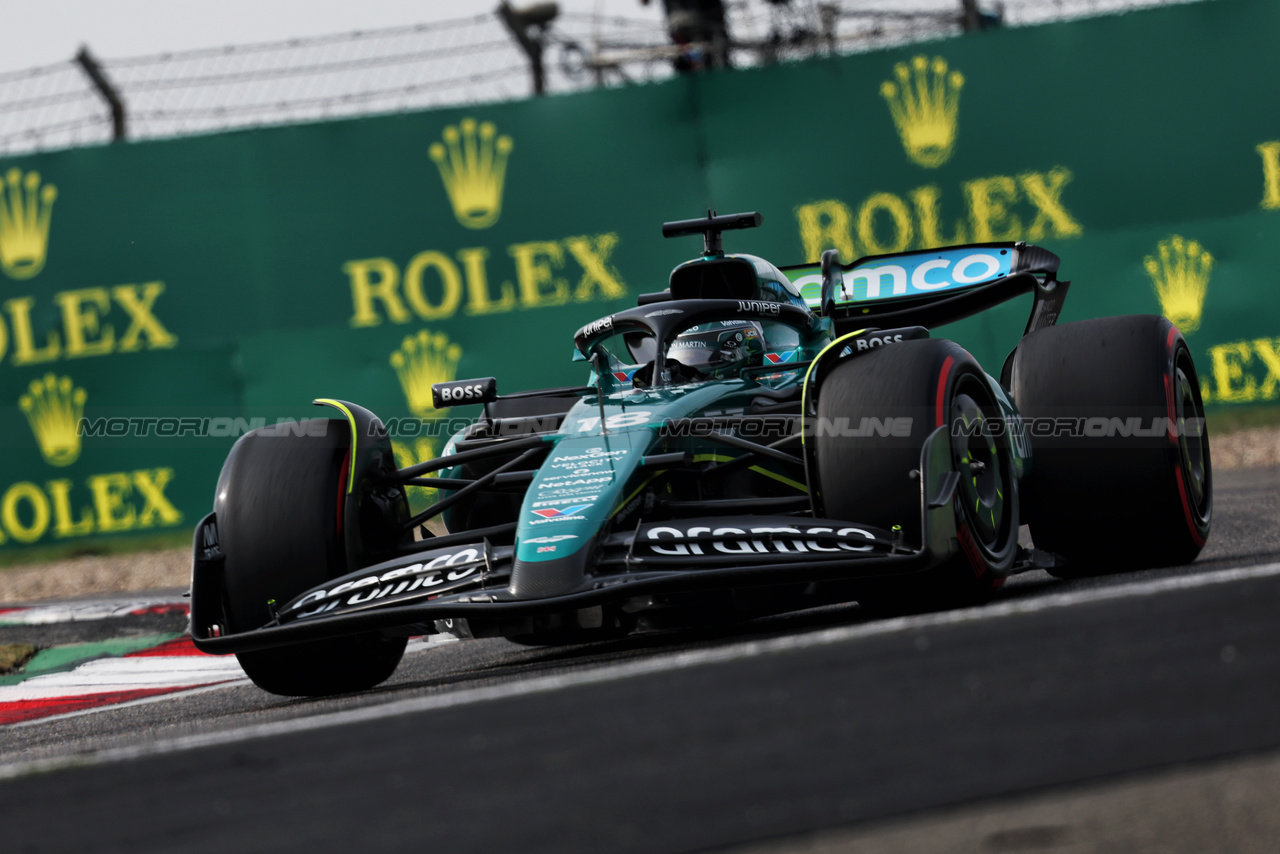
point(869, 479)
point(279, 506)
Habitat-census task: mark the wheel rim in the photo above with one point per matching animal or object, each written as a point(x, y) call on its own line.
point(982, 478)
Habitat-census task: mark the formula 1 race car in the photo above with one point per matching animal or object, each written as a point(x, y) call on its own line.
point(752, 440)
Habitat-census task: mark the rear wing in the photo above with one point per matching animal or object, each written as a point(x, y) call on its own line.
point(931, 287)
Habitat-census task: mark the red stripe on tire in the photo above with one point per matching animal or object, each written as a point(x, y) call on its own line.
point(1186, 509)
point(970, 549)
point(342, 488)
point(942, 391)
point(1173, 439)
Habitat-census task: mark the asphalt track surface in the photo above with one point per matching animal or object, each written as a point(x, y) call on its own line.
point(816, 729)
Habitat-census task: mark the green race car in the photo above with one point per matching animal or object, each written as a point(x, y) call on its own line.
point(752, 440)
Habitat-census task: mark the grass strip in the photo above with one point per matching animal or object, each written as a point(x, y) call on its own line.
point(58, 659)
point(15, 655)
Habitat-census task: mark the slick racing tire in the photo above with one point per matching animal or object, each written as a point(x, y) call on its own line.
point(875, 479)
point(279, 508)
point(1100, 492)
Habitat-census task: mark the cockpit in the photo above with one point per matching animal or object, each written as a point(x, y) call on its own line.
point(716, 349)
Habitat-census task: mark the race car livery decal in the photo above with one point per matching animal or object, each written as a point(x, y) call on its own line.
point(615, 421)
point(586, 499)
point(571, 474)
point(782, 358)
point(457, 392)
point(580, 468)
point(908, 274)
point(869, 341)
point(759, 307)
point(591, 473)
point(679, 539)
point(555, 512)
point(561, 518)
point(438, 573)
point(592, 457)
point(561, 482)
point(596, 327)
point(863, 341)
point(560, 495)
point(549, 544)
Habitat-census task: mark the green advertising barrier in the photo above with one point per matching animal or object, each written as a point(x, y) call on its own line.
point(173, 294)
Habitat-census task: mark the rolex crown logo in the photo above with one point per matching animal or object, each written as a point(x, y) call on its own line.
point(54, 406)
point(924, 98)
point(422, 361)
point(25, 209)
point(473, 166)
point(1180, 275)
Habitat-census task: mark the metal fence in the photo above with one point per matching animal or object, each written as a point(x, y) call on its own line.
point(468, 60)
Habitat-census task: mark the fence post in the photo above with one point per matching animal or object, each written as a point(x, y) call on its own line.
point(105, 89)
point(520, 22)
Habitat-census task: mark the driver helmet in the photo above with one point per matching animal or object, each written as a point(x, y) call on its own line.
point(719, 349)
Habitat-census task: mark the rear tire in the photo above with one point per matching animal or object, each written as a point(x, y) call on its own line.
point(1114, 502)
point(868, 479)
point(279, 506)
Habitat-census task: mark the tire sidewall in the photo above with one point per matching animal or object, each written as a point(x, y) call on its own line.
point(1110, 501)
point(278, 509)
point(917, 379)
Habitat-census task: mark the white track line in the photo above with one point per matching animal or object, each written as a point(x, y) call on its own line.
point(77, 612)
point(655, 664)
point(124, 674)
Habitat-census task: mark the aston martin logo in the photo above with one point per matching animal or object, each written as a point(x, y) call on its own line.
point(1179, 274)
point(924, 99)
point(473, 167)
